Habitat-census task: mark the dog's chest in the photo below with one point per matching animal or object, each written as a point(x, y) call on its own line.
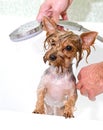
point(59, 86)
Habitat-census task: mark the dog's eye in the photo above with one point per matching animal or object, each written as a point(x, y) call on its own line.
point(68, 48)
point(52, 44)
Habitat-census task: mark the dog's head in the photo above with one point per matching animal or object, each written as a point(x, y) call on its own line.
point(62, 46)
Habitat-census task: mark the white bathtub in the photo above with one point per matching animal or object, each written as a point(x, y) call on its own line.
point(21, 67)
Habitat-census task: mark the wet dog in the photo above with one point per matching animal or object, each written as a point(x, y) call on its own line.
point(56, 93)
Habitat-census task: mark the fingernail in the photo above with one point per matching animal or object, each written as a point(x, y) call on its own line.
point(92, 99)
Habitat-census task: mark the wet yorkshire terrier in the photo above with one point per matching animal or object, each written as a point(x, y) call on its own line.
point(57, 94)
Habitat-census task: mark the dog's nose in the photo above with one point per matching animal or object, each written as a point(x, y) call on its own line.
point(52, 57)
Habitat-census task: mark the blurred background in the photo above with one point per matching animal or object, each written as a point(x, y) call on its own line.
point(80, 10)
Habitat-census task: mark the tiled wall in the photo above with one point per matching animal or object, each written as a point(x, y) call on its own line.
point(80, 10)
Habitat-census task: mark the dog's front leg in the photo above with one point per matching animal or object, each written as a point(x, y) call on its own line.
point(40, 101)
point(69, 106)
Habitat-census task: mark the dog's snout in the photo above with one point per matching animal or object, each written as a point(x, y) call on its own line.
point(52, 57)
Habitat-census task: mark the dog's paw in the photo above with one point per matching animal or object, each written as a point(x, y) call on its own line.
point(38, 112)
point(68, 114)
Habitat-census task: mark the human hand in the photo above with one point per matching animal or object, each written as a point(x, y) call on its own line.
point(54, 9)
point(91, 80)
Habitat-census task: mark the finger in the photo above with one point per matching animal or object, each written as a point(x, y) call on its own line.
point(55, 16)
point(79, 76)
point(70, 1)
point(40, 16)
point(88, 92)
point(64, 16)
point(83, 91)
point(43, 11)
point(79, 85)
point(91, 95)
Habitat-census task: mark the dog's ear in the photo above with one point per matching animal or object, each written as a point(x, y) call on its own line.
point(49, 25)
point(88, 39)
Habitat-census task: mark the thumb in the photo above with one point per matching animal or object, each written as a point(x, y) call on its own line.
point(55, 16)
